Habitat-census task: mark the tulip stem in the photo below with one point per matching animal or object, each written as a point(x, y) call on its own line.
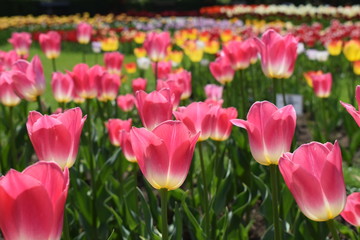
point(156, 74)
point(274, 90)
point(283, 91)
point(332, 228)
point(163, 196)
point(12, 138)
point(38, 99)
point(243, 92)
point(66, 232)
point(206, 199)
point(275, 202)
point(53, 64)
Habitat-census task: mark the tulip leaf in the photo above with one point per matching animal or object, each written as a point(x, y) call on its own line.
point(198, 230)
point(147, 213)
point(178, 223)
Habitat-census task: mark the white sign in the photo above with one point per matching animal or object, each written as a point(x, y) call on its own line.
point(294, 99)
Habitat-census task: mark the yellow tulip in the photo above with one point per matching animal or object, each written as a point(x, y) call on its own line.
point(352, 50)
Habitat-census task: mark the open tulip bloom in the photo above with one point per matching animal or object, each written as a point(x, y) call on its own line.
point(351, 109)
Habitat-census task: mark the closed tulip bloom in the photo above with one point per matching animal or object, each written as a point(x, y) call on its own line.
point(108, 87)
point(220, 124)
point(213, 91)
point(334, 47)
point(164, 154)
point(139, 84)
point(139, 52)
point(143, 63)
point(176, 90)
point(114, 126)
point(156, 45)
point(163, 69)
point(139, 37)
point(126, 102)
point(56, 137)
point(351, 109)
point(29, 79)
point(113, 62)
point(130, 67)
point(8, 97)
point(197, 117)
point(126, 146)
point(351, 212)
point(322, 84)
point(21, 42)
point(154, 107)
point(85, 86)
point(313, 174)
point(184, 79)
point(238, 53)
point(222, 70)
point(9, 59)
point(32, 202)
point(62, 87)
point(83, 33)
point(351, 50)
point(50, 43)
point(308, 76)
point(270, 131)
point(278, 54)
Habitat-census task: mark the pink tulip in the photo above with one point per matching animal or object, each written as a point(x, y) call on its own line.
point(126, 102)
point(126, 146)
point(156, 45)
point(351, 212)
point(163, 69)
point(322, 84)
point(32, 202)
point(213, 94)
point(8, 97)
point(278, 54)
point(28, 78)
point(176, 90)
point(164, 154)
point(313, 173)
point(21, 42)
point(50, 43)
point(351, 109)
point(197, 117)
point(154, 107)
point(56, 137)
point(9, 58)
point(108, 87)
point(239, 54)
point(184, 80)
point(85, 79)
point(220, 124)
point(139, 84)
point(83, 33)
point(221, 70)
point(113, 62)
point(114, 126)
point(62, 87)
point(270, 131)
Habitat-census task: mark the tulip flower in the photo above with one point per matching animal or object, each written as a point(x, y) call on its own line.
point(85, 80)
point(130, 67)
point(163, 69)
point(334, 47)
point(56, 137)
point(114, 126)
point(238, 53)
point(108, 87)
point(32, 202)
point(313, 173)
point(139, 37)
point(270, 131)
point(221, 70)
point(110, 44)
point(113, 62)
point(213, 91)
point(126, 146)
point(154, 107)
point(21, 42)
point(83, 33)
point(278, 54)
point(356, 67)
point(29, 79)
point(139, 52)
point(62, 87)
point(165, 153)
point(143, 63)
point(308, 76)
point(138, 84)
point(50, 43)
point(220, 122)
point(322, 84)
point(8, 97)
point(10, 58)
point(156, 45)
point(126, 102)
point(195, 54)
point(351, 50)
point(197, 117)
point(96, 46)
point(176, 90)
point(184, 79)
point(212, 46)
point(351, 109)
point(176, 57)
point(351, 212)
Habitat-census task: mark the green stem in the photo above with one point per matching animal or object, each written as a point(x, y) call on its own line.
point(66, 232)
point(165, 231)
point(324, 119)
point(53, 64)
point(275, 203)
point(243, 92)
point(156, 74)
point(38, 99)
point(283, 91)
point(332, 228)
point(206, 198)
point(84, 55)
point(274, 90)
point(12, 137)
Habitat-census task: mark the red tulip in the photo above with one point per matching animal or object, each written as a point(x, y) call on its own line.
point(8, 97)
point(108, 87)
point(351, 212)
point(32, 202)
point(351, 109)
point(62, 86)
point(50, 43)
point(221, 70)
point(220, 124)
point(197, 117)
point(313, 173)
point(165, 153)
point(238, 53)
point(156, 45)
point(56, 137)
point(21, 42)
point(114, 126)
point(126, 102)
point(139, 84)
point(113, 62)
point(154, 107)
point(270, 131)
point(278, 54)
point(83, 33)
point(163, 69)
point(29, 79)
point(322, 84)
